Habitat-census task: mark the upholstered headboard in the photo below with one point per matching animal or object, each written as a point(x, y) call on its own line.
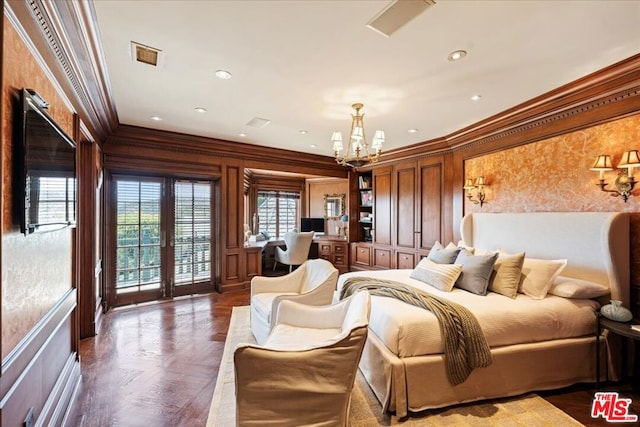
point(595, 244)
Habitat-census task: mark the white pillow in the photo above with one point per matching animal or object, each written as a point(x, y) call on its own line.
point(538, 276)
point(568, 287)
point(440, 276)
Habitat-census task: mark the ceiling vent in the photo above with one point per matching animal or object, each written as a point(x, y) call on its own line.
point(397, 14)
point(258, 122)
point(146, 54)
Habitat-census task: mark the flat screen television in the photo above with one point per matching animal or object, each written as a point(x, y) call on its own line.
point(312, 224)
point(48, 169)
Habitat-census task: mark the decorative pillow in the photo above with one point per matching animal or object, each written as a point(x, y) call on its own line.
point(440, 276)
point(568, 287)
point(476, 271)
point(442, 255)
point(506, 274)
point(538, 276)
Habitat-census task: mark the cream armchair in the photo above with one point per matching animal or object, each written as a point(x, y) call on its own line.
point(305, 371)
point(297, 251)
point(313, 283)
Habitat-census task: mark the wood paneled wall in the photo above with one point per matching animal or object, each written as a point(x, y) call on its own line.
point(158, 153)
point(38, 328)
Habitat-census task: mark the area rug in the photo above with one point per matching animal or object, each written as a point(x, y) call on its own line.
point(526, 410)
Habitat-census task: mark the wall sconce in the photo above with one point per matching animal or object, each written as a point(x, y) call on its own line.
point(479, 185)
point(624, 183)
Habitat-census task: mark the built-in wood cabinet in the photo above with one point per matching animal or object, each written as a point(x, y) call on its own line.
point(360, 256)
point(408, 214)
point(381, 258)
point(406, 260)
point(336, 252)
point(253, 264)
point(381, 230)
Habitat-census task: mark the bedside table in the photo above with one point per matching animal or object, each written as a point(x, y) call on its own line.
point(625, 331)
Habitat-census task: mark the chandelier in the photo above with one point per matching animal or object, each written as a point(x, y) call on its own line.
point(357, 153)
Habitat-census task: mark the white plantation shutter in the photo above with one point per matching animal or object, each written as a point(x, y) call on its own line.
point(138, 216)
point(278, 211)
point(192, 232)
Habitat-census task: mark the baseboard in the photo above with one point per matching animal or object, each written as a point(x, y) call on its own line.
point(59, 404)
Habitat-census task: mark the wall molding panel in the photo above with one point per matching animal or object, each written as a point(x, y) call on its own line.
point(40, 373)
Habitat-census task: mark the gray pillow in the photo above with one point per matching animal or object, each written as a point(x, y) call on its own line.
point(442, 255)
point(476, 271)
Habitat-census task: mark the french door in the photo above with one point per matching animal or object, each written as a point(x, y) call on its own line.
point(162, 238)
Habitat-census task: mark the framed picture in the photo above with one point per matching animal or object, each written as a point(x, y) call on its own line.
point(366, 198)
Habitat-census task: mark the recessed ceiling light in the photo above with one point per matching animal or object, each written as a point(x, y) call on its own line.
point(156, 118)
point(456, 55)
point(304, 132)
point(476, 97)
point(413, 131)
point(313, 146)
point(242, 134)
point(223, 74)
point(200, 110)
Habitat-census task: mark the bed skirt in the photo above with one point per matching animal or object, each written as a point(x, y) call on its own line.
point(414, 384)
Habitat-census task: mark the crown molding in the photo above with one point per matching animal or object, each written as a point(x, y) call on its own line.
point(608, 94)
point(253, 156)
point(64, 35)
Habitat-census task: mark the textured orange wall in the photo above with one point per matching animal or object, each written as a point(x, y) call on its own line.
point(36, 270)
point(554, 176)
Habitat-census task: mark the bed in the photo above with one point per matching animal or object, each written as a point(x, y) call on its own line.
point(536, 344)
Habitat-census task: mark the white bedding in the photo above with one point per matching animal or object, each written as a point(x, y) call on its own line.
point(411, 331)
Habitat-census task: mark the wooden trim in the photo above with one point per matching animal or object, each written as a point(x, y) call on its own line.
point(608, 94)
point(86, 239)
point(58, 30)
point(134, 139)
point(278, 183)
point(61, 399)
point(20, 358)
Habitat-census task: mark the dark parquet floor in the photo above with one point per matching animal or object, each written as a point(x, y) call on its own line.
point(156, 365)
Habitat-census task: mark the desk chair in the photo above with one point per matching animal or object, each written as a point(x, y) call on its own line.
point(297, 251)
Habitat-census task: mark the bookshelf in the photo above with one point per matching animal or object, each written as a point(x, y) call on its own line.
point(365, 206)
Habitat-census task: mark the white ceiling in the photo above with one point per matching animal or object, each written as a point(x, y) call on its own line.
point(301, 64)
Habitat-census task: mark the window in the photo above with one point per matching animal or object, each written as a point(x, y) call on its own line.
point(192, 232)
point(278, 211)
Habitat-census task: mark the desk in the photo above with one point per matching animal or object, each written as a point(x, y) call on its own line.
point(262, 244)
point(333, 249)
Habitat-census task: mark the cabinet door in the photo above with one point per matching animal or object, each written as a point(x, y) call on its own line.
point(405, 260)
point(324, 249)
point(431, 194)
point(253, 261)
point(382, 258)
point(382, 205)
point(361, 255)
point(405, 204)
point(340, 258)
